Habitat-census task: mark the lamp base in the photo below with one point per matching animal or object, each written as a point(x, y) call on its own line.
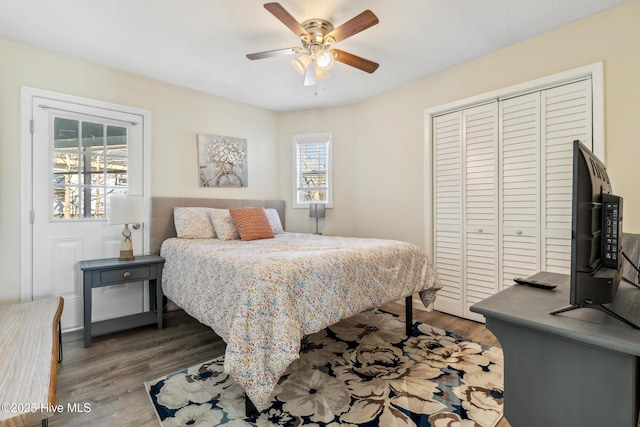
point(126, 255)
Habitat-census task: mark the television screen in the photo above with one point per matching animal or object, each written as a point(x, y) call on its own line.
point(596, 228)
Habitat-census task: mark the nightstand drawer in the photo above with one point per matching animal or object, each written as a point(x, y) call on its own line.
point(128, 274)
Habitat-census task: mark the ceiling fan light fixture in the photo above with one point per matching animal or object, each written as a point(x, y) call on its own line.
point(301, 63)
point(324, 60)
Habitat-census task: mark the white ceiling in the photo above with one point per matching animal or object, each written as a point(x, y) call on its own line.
point(201, 44)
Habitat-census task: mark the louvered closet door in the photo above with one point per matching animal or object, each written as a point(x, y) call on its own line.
point(502, 191)
point(566, 116)
point(481, 205)
point(520, 186)
point(447, 199)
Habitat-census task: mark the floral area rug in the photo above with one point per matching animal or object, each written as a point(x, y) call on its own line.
point(362, 371)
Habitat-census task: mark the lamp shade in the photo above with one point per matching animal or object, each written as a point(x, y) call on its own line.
point(301, 63)
point(324, 60)
point(125, 210)
point(316, 210)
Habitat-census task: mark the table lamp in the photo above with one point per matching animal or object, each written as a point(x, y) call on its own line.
point(316, 210)
point(126, 210)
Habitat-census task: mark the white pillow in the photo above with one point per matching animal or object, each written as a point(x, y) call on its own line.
point(274, 221)
point(223, 224)
point(193, 223)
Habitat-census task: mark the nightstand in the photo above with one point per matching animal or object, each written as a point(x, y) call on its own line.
point(111, 271)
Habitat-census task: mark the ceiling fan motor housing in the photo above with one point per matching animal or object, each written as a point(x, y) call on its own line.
point(316, 31)
point(317, 43)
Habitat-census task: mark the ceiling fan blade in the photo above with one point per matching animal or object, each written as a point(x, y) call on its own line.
point(310, 75)
point(353, 26)
point(272, 53)
point(285, 17)
point(355, 61)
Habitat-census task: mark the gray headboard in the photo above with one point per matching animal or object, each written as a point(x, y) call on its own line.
point(161, 218)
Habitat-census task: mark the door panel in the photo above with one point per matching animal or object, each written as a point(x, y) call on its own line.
point(567, 116)
point(520, 186)
point(448, 172)
point(81, 155)
point(480, 205)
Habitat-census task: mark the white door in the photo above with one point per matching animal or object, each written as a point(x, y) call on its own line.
point(448, 219)
point(80, 155)
point(466, 207)
point(566, 116)
point(481, 201)
point(520, 187)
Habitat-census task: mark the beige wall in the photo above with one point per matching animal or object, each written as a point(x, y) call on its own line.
point(177, 115)
point(339, 122)
point(387, 132)
point(378, 144)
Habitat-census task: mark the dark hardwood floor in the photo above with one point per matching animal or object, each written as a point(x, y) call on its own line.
point(107, 379)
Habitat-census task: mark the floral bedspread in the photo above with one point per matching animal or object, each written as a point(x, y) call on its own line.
point(261, 297)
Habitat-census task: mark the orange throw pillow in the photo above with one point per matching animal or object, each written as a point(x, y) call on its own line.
point(252, 223)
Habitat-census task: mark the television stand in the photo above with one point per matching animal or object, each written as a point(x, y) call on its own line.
point(563, 370)
point(596, 307)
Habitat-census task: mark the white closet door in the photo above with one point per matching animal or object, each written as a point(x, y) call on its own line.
point(520, 186)
point(566, 116)
point(502, 177)
point(481, 205)
point(448, 181)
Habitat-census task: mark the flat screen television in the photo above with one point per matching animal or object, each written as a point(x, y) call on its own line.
point(596, 229)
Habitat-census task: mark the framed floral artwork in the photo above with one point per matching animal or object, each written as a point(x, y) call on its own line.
point(222, 161)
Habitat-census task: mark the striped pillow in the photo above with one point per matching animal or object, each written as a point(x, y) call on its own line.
point(252, 223)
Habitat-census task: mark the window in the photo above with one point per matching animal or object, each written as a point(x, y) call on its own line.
point(89, 163)
point(312, 169)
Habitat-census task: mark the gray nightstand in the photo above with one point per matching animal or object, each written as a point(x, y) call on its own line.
point(111, 271)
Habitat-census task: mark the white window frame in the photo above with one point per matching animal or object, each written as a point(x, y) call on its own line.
point(312, 138)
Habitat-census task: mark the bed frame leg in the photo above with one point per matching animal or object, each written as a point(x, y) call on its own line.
point(249, 408)
point(408, 312)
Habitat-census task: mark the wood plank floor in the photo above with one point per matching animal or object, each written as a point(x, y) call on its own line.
point(106, 379)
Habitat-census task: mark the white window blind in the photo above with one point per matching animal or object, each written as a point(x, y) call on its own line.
point(312, 166)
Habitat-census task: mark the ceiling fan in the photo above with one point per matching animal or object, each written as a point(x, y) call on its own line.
point(318, 37)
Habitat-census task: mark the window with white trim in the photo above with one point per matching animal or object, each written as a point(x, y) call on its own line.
point(90, 162)
point(312, 166)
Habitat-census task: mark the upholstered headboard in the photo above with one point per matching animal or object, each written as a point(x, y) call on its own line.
point(162, 225)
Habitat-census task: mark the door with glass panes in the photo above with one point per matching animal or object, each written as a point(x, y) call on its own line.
point(81, 156)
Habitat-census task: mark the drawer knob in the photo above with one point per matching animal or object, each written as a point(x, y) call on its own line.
point(126, 274)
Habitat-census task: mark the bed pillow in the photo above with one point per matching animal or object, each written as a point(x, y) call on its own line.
point(252, 223)
point(193, 223)
point(274, 220)
point(222, 223)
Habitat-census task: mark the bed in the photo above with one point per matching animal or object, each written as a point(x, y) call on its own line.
point(262, 296)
